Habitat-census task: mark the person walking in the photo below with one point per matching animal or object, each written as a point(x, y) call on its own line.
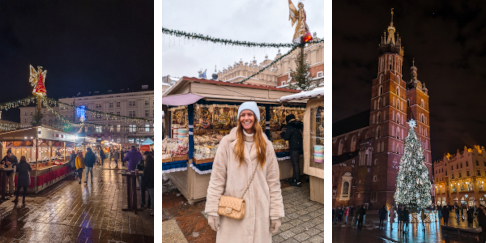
point(356, 216)
point(351, 212)
point(293, 134)
point(400, 218)
point(133, 157)
point(482, 223)
point(116, 155)
point(245, 166)
point(89, 161)
point(80, 166)
point(457, 214)
point(439, 213)
point(361, 214)
point(72, 163)
point(470, 217)
point(445, 214)
point(406, 219)
point(392, 216)
point(102, 156)
point(10, 161)
point(23, 181)
point(364, 214)
point(382, 214)
point(122, 156)
point(346, 213)
point(148, 180)
point(423, 217)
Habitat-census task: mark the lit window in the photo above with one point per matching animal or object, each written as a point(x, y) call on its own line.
point(147, 127)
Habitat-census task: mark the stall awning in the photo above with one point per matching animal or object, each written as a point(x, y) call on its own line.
point(148, 142)
point(182, 99)
point(315, 93)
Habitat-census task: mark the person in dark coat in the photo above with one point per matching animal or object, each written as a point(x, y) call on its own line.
point(102, 156)
point(439, 213)
point(148, 179)
point(10, 160)
point(122, 156)
point(457, 213)
point(116, 156)
point(351, 213)
point(23, 180)
point(382, 214)
point(399, 218)
point(293, 133)
point(445, 214)
point(133, 157)
point(482, 222)
point(361, 213)
point(470, 217)
point(72, 160)
point(89, 161)
point(406, 219)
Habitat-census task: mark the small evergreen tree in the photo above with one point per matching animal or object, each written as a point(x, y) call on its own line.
point(37, 118)
point(301, 76)
point(413, 183)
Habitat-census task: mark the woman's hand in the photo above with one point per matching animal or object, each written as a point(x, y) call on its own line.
point(275, 225)
point(213, 221)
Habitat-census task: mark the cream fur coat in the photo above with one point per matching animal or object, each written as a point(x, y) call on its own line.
point(263, 199)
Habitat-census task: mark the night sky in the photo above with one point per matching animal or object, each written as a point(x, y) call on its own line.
point(448, 41)
point(84, 46)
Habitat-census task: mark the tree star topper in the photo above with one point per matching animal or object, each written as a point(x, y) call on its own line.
point(412, 123)
point(302, 31)
point(38, 80)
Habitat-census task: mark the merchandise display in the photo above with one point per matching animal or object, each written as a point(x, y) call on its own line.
point(317, 133)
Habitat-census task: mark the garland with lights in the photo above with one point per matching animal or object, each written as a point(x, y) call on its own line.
point(17, 103)
point(269, 65)
point(97, 113)
point(179, 33)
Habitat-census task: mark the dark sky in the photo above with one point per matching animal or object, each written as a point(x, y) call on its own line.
point(84, 46)
point(448, 41)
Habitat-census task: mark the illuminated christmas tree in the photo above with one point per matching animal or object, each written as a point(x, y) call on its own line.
point(413, 183)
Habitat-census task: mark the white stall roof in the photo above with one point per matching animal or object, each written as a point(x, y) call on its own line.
point(315, 93)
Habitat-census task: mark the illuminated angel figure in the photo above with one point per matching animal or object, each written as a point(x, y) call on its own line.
point(302, 32)
point(38, 80)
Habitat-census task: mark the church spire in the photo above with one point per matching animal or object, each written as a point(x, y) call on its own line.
point(390, 42)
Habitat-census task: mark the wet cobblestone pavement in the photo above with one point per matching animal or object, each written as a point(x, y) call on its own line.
point(371, 232)
point(304, 220)
point(70, 212)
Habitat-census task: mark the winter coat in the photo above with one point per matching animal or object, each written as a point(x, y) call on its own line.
point(422, 215)
point(346, 212)
point(133, 157)
point(23, 169)
point(406, 216)
point(399, 214)
point(102, 154)
point(392, 215)
point(13, 160)
point(72, 161)
point(148, 176)
point(263, 199)
point(382, 213)
point(470, 216)
point(445, 213)
point(79, 162)
point(89, 159)
point(116, 155)
point(294, 135)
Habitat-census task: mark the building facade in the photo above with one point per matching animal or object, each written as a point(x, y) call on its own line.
point(279, 74)
point(459, 178)
point(367, 147)
point(125, 103)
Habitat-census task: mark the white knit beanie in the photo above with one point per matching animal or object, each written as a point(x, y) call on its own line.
point(252, 106)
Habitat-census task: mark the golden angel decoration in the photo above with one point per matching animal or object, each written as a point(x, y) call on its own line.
point(302, 33)
point(38, 80)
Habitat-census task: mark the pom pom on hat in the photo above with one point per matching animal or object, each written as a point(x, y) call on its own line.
point(252, 106)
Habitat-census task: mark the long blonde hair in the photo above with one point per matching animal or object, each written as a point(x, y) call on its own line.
point(260, 143)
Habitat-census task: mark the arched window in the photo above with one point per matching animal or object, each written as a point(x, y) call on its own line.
point(398, 149)
point(367, 135)
point(380, 79)
point(422, 103)
point(398, 133)
point(380, 90)
point(378, 103)
point(341, 145)
point(345, 189)
point(378, 117)
point(398, 91)
point(378, 132)
point(398, 118)
point(408, 103)
point(423, 118)
point(376, 161)
point(375, 105)
point(353, 144)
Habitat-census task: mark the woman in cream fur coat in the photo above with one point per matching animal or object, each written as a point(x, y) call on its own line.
point(239, 153)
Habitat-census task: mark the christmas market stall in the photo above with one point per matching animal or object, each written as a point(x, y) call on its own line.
point(201, 112)
point(313, 139)
point(45, 148)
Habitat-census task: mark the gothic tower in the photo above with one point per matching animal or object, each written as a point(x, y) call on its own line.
point(387, 120)
point(418, 109)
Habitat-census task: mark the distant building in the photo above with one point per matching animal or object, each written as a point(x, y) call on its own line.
point(125, 102)
point(460, 178)
point(167, 82)
point(279, 74)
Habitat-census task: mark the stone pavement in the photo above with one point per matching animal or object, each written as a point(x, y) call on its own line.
point(69, 212)
point(304, 220)
point(371, 232)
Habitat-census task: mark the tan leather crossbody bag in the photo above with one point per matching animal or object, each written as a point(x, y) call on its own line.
point(234, 207)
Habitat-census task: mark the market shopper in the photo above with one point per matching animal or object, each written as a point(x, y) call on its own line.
point(23, 180)
point(392, 216)
point(89, 161)
point(80, 166)
point(482, 222)
point(406, 219)
point(72, 160)
point(116, 155)
point(293, 133)
point(102, 156)
point(245, 159)
point(445, 214)
point(10, 161)
point(148, 179)
point(133, 157)
point(382, 214)
point(122, 156)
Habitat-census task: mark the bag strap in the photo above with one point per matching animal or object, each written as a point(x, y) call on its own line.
point(253, 176)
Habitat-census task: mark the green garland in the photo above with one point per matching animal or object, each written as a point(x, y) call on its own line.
point(93, 112)
point(17, 103)
point(269, 65)
point(179, 33)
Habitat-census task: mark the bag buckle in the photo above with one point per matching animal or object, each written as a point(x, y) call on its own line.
point(228, 210)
